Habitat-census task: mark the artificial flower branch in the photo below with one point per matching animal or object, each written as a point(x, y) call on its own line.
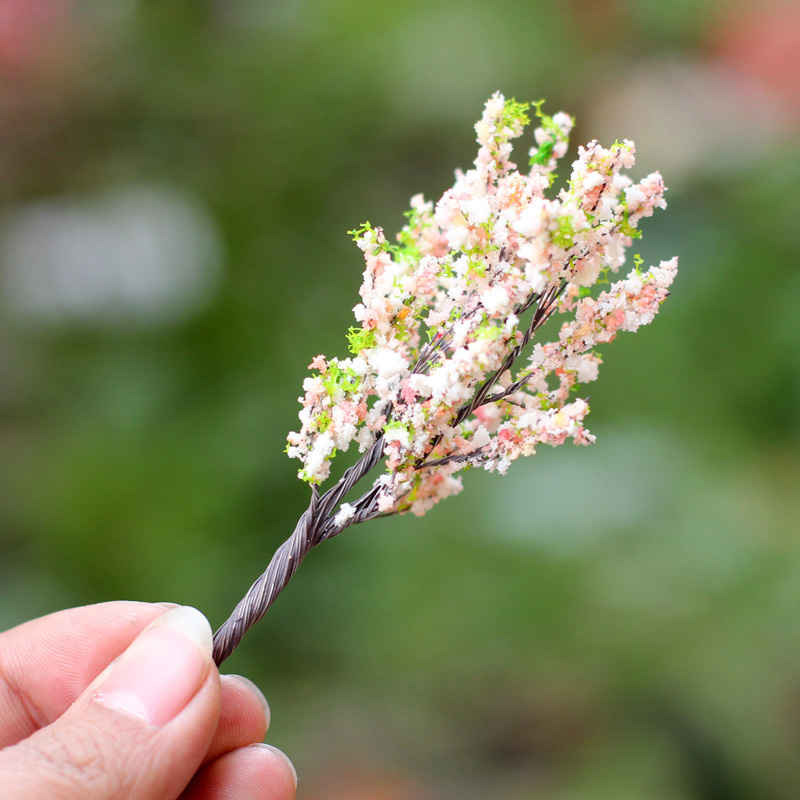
point(433, 386)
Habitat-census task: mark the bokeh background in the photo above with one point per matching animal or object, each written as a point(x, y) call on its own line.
point(176, 183)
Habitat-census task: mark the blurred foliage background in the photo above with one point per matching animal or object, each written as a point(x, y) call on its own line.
point(176, 183)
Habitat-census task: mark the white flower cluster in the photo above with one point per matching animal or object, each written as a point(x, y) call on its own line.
point(446, 313)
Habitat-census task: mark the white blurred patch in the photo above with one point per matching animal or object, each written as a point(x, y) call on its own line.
point(132, 256)
point(687, 116)
point(565, 498)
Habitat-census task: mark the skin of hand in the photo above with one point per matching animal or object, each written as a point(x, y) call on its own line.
point(122, 700)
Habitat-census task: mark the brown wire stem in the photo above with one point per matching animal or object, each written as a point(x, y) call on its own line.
point(316, 525)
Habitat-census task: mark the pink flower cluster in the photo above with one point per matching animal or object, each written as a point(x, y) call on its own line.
point(446, 313)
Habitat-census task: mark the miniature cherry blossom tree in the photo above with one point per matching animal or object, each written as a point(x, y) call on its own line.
point(436, 381)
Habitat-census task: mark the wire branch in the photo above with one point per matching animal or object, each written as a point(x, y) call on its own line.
point(316, 525)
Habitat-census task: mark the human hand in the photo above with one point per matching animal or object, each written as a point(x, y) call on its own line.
point(158, 723)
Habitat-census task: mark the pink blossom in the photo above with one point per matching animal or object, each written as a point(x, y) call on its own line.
point(319, 363)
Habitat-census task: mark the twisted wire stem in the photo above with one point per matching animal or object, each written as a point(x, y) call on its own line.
point(316, 525)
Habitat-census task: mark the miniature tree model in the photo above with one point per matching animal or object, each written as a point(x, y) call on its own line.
point(440, 377)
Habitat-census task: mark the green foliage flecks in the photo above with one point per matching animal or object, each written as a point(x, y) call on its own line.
point(408, 238)
point(366, 231)
point(544, 153)
point(628, 229)
point(564, 236)
point(340, 379)
point(515, 115)
point(359, 339)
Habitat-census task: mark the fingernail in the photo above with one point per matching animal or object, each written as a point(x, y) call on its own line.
point(283, 758)
point(251, 687)
point(163, 668)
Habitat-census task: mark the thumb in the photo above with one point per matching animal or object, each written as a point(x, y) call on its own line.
point(138, 732)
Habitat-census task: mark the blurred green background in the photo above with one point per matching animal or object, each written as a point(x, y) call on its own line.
point(176, 183)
